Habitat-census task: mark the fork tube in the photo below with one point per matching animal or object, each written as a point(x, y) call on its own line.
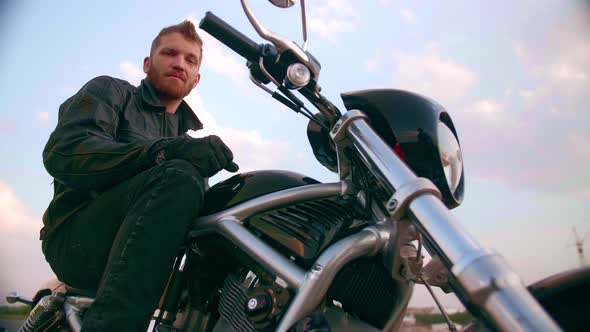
point(483, 276)
point(166, 312)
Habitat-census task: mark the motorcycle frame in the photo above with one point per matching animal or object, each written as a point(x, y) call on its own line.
point(312, 285)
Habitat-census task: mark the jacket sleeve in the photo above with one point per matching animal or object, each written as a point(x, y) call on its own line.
point(82, 152)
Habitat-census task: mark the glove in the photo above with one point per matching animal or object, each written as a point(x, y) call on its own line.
point(209, 154)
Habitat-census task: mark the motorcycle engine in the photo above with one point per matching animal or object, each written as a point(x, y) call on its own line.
point(301, 231)
point(362, 289)
point(252, 303)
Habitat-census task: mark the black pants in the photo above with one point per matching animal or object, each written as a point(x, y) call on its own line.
point(124, 244)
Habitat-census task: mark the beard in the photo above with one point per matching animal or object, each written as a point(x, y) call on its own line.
point(169, 88)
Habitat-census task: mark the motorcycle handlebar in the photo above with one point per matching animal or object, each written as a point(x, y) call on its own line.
point(231, 37)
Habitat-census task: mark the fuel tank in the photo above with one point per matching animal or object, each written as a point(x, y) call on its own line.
point(245, 186)
point(300, 230)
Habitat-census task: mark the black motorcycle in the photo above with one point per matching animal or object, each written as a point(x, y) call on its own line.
point(286, 253)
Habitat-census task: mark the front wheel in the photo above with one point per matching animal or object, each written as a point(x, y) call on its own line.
point(565, 297)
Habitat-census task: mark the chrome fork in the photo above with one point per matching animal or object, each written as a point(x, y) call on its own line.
point(483, 278)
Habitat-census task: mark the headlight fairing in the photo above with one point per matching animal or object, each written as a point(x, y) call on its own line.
point(423, 131)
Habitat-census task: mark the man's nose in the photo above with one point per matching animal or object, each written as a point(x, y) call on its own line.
point(179, 63)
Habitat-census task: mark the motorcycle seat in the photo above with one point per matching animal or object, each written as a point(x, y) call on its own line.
point(73, 291)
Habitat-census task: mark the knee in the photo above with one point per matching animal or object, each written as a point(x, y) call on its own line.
point(181, 178)
point(179, 165)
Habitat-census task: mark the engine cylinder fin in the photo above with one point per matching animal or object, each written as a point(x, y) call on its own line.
point(308, 224)
point(321, 216)
point(231, 306)
point(309, 218)
point(329, 212)
point(285, 225)
point(304, 229)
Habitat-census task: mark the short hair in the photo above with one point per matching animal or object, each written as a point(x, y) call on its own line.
point(186, 29)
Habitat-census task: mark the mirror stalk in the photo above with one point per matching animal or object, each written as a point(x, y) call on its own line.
point(304, 25)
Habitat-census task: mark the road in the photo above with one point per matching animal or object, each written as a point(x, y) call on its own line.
point(10, 325)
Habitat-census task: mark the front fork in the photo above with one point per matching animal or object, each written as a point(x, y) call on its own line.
point(167, 309)
point(483, 278)
point(165, 316)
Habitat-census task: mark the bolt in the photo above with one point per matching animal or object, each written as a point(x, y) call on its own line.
point(391, 205)
point(316, 270)
point(281, 282)
point(252, 304)
point(336, 127)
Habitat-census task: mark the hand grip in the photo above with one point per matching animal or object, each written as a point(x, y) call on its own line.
point(231, 37)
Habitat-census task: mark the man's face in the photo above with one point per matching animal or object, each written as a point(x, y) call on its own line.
point(173, 68)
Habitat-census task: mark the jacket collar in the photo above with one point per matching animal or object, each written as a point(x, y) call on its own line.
point(150, 99)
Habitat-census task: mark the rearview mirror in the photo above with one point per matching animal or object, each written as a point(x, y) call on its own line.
point(289, 3)
point(283, 3)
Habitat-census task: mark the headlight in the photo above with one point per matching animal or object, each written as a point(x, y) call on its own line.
point(421, 132)
point(450, 156)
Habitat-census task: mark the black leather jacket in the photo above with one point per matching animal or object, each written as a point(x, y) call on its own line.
point(107, 132)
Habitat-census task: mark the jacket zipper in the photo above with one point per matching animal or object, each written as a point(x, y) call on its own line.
point(162, 123)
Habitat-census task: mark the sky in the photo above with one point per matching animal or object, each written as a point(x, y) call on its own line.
point(514, 76)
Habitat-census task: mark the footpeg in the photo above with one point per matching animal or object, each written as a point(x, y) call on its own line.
point(13, 297)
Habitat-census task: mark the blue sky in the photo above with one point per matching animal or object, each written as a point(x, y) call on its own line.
point(513, 75)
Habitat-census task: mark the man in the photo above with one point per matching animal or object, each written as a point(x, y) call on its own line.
point(128, 181)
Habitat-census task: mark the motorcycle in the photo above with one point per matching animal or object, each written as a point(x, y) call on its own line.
point(285, 252)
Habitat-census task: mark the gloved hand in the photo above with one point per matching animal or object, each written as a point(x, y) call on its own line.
point(208, 154)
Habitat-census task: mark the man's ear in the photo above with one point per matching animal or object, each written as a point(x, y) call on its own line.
point(146, 64)
point(197, 80)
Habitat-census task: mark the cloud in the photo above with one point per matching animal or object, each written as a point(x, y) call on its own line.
point(252, 151)
point(579, 146)
point(490, 113)
point(14, 217)
point(540, 138)
point(220, 59)
point(7, 126)
point(374, 64)
point(487, 106)
point(42, 116)
point(566, 72)
point(131, 72)
point(527, 136)
point(429, 73)
point(524, 149)
point(22, 265)
point(563, 64)
point(408, 16)
point(333, 17)
point(523, 137)
point(558, 55)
